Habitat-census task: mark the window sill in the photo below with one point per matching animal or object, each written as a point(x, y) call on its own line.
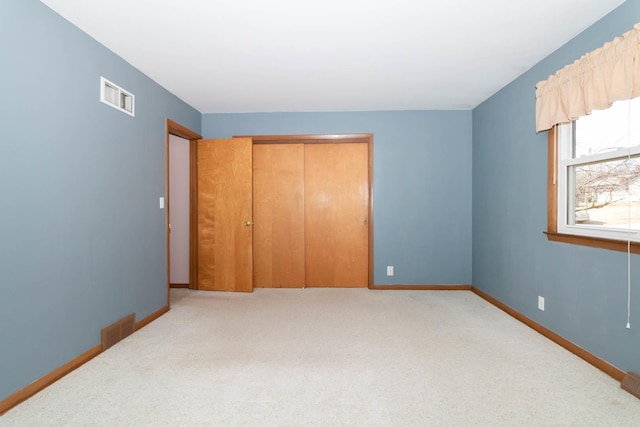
point(594, 242)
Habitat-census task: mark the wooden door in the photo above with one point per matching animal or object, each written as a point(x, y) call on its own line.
point(224, 178)
point(336, 215)
point(278, 212)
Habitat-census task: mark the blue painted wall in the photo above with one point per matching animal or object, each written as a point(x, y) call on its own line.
point(421, 179)
point(82, 237)
point(83, 240)
point(585, 289)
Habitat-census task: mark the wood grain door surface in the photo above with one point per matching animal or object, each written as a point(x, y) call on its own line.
point(336, 215)
point(278, 211)
point(310, 203)
point(224, 179)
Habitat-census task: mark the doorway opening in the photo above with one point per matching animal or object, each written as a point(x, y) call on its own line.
point(176, 129)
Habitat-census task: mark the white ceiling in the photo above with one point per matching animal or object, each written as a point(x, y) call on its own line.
point(332, 55)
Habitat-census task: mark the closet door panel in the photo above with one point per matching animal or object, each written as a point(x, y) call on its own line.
point(336, 215)
point(278, 212)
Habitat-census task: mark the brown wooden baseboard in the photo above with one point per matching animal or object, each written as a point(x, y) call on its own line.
point(63, 370)
point(48, 379)
point(179, 285)
point(603, 365)
point(150, 318)
point(421, 287)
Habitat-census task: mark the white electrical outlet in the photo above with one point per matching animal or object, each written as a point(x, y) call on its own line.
point(541, 303)
point(389, 270)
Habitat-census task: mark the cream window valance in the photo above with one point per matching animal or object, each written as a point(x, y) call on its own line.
point(595, 81)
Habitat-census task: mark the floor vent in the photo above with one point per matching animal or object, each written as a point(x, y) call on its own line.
point(118, 331)
point(631, 383)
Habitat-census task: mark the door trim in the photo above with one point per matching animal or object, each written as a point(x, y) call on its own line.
point(174, 128)
point(366, 138)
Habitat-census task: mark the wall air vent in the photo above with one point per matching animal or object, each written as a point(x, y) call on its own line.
point(116, 97)
point(118, 331)
point(631, 383)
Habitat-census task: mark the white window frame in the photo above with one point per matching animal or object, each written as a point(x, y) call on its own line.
point(565, 161)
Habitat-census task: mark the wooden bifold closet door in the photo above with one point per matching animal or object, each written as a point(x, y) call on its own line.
point(310, 209)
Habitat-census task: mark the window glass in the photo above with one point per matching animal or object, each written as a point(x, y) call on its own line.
point(599, 173)
point(603, 191)
point(608, 130)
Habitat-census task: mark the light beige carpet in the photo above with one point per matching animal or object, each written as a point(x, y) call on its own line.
point(332, 357)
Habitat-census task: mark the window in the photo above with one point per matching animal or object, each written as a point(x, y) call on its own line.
point(596, 177)
point(116, 97)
